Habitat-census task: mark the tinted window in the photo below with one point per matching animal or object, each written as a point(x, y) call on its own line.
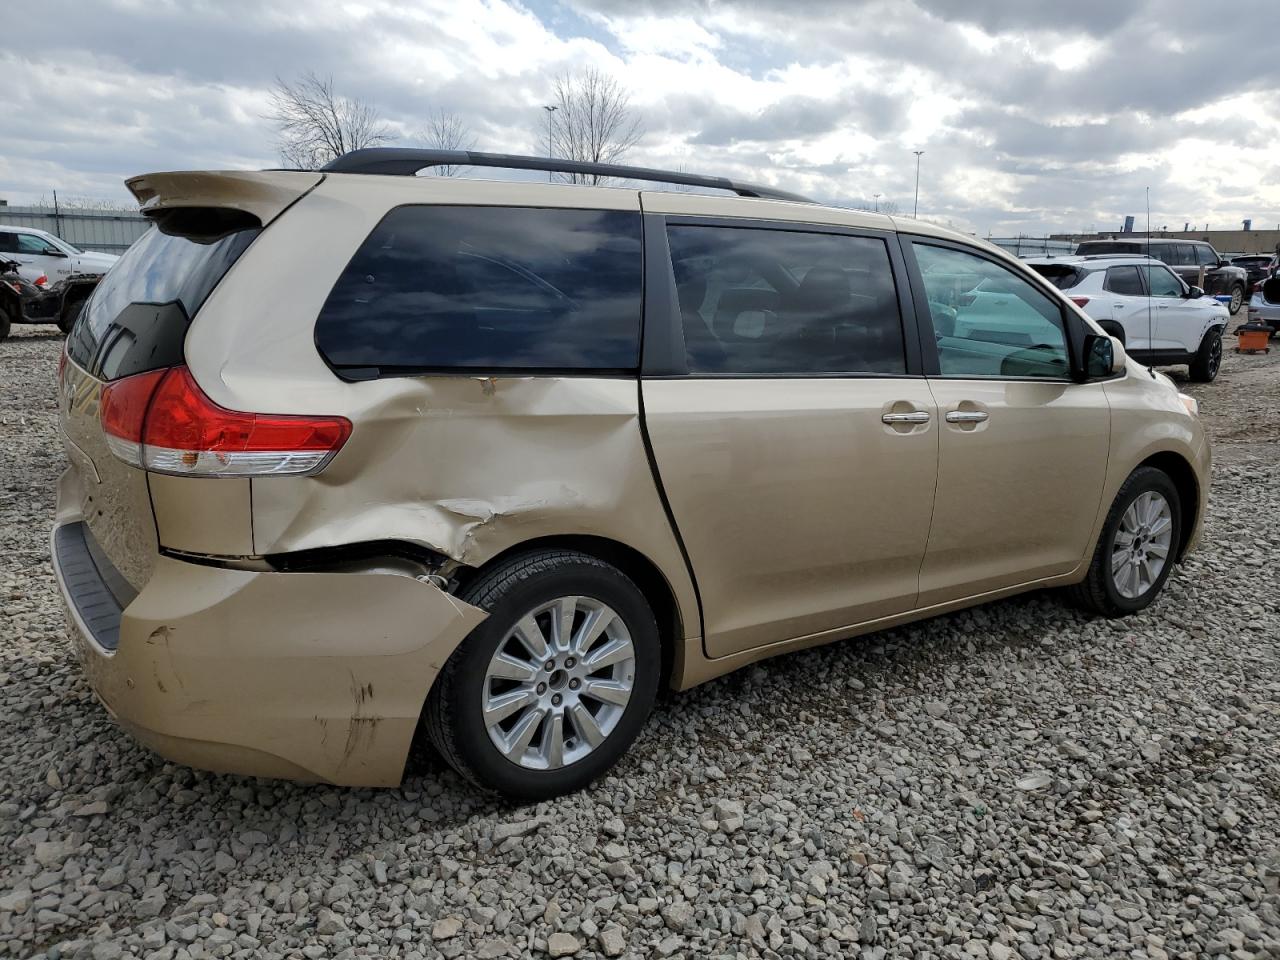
point(1060, 275)
point(1106, 246)
point(784, 302)
point(1162, 282)
point(1207, 255)
point(488, 287)
point(30, 243)
point(1178, 254)
point(138, 316)
point(1126, 281)
point(990, 322)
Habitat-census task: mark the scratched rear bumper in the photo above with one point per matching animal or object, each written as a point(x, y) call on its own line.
point(312, 676)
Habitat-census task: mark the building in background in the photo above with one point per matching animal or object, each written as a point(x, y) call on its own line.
point(89, 228)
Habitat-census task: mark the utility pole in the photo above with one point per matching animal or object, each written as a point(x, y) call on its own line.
point(915, 205)
point(877, 199)
point(550, 151)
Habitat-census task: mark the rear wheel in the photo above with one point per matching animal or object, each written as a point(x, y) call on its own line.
point(1137, 548)
point(1237, 299)
point(552, 688)
point(1208, 359)
point(6, 322)
point(70, 314)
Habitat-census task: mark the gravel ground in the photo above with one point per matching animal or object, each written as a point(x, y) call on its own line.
point(1013, 781)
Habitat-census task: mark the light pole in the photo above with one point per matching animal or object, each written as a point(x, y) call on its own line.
point(876, 196)
point(915, 205)
point(550, 152)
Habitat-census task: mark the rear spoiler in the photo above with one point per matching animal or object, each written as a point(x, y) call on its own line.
point(262, 195)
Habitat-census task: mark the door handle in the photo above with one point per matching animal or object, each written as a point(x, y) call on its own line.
point(966, 416)
point(918, 416)
point(1118, 306)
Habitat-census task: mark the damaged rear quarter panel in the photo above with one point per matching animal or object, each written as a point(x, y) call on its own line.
point(470, 467)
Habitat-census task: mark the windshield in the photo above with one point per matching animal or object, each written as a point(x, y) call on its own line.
point(63, 245)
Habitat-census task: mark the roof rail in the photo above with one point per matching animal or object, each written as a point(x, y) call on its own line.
point(406, 161)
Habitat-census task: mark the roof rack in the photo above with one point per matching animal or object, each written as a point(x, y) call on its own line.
point(405, 161)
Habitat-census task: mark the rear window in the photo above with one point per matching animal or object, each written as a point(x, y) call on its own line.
point(138, 315)
point(1059, 274)
point(482, 288)
point(1095, 247)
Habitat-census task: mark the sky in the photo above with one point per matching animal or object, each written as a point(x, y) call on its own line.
point(1034, 115)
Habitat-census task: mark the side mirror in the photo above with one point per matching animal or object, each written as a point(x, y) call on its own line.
point(1194, 293)
point(1104, 356)
point(1224, 263)
point(53, 252)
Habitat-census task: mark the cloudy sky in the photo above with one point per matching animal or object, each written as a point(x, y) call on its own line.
point(1033, 115)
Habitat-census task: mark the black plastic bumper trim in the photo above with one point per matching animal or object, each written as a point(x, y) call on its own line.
point(87, 585)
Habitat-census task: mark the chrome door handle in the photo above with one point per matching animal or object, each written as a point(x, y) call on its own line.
point(966, 416)
point(919, 416)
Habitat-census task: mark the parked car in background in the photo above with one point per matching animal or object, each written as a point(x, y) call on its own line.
point(1257, 266)
point(1264, 304)
point(496, 461)
point(1159, 318)
point(69, 273)
point(1187, 258)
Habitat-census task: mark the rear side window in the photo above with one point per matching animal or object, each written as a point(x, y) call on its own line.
point(761, 302)
point(481, 288)
point(138, 315)
point(1059, 274)
point(1126, 281)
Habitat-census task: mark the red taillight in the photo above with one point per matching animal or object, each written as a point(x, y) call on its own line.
point(1080, 302)
point(42, 280)
point(174, 428)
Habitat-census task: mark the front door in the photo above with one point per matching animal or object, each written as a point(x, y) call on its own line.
point(1174, 314)
point(796, 452)
point(1022, 448)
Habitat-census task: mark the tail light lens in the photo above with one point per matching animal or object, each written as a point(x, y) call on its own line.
point(162, 421)
point(1080, 302)
point(42, 280)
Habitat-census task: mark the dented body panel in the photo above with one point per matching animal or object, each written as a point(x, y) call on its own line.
point(273, 674)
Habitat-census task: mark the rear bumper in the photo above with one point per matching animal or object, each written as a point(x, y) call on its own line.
point(311, 676)
point(1261, 311)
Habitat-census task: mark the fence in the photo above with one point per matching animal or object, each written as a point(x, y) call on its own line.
point(1034, 246)
point(110, 231)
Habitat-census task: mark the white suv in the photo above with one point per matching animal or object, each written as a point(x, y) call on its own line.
point(1155, 314)
point(40, 253)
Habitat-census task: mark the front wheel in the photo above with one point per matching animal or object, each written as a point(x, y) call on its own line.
point(6, 323)
point(1137, 548)
point(548, 692)
point(1208, 359)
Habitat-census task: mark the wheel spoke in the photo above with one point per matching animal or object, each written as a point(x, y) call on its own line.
point(506, 667)
point(553, 740)
point(596, 622)
point(586, 725)
point(1162, 525)
point(1124, 539)
point(609, 691)
point(1129, 522)
point(1157, 550)
point(562, 623)
point(497, 709)
point(521, 734)
point(615, 651)
point(530, 634)
point(1131, 578)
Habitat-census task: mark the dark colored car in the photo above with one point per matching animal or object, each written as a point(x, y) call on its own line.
point(1257, 266)
point(1187, 258)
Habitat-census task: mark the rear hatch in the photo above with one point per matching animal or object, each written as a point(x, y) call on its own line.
point(136, 322)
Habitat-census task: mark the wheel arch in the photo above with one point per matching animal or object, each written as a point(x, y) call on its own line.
point(646, 575)
point(1179, 470)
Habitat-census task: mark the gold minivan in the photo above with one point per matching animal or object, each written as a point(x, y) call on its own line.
point(358, 456)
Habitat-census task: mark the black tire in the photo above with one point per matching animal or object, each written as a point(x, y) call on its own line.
point(1204, 367)
point(70, 314)
point(6, 323)
point(1237, 298)
point(1097, 593)
point(453, 713)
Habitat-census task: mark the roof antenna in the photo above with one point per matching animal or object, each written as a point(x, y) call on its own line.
point(1150, 346)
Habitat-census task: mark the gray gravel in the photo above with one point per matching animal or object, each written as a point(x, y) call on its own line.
point(1010, 782)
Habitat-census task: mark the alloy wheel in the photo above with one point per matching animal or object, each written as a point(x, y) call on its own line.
point(1142, 545)
point(558, 683)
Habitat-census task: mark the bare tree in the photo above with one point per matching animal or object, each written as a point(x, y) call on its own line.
point(315, 124)
point(592, 122)
point(446, 131)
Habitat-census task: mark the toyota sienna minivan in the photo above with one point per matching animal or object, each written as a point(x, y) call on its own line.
point(358, 457)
